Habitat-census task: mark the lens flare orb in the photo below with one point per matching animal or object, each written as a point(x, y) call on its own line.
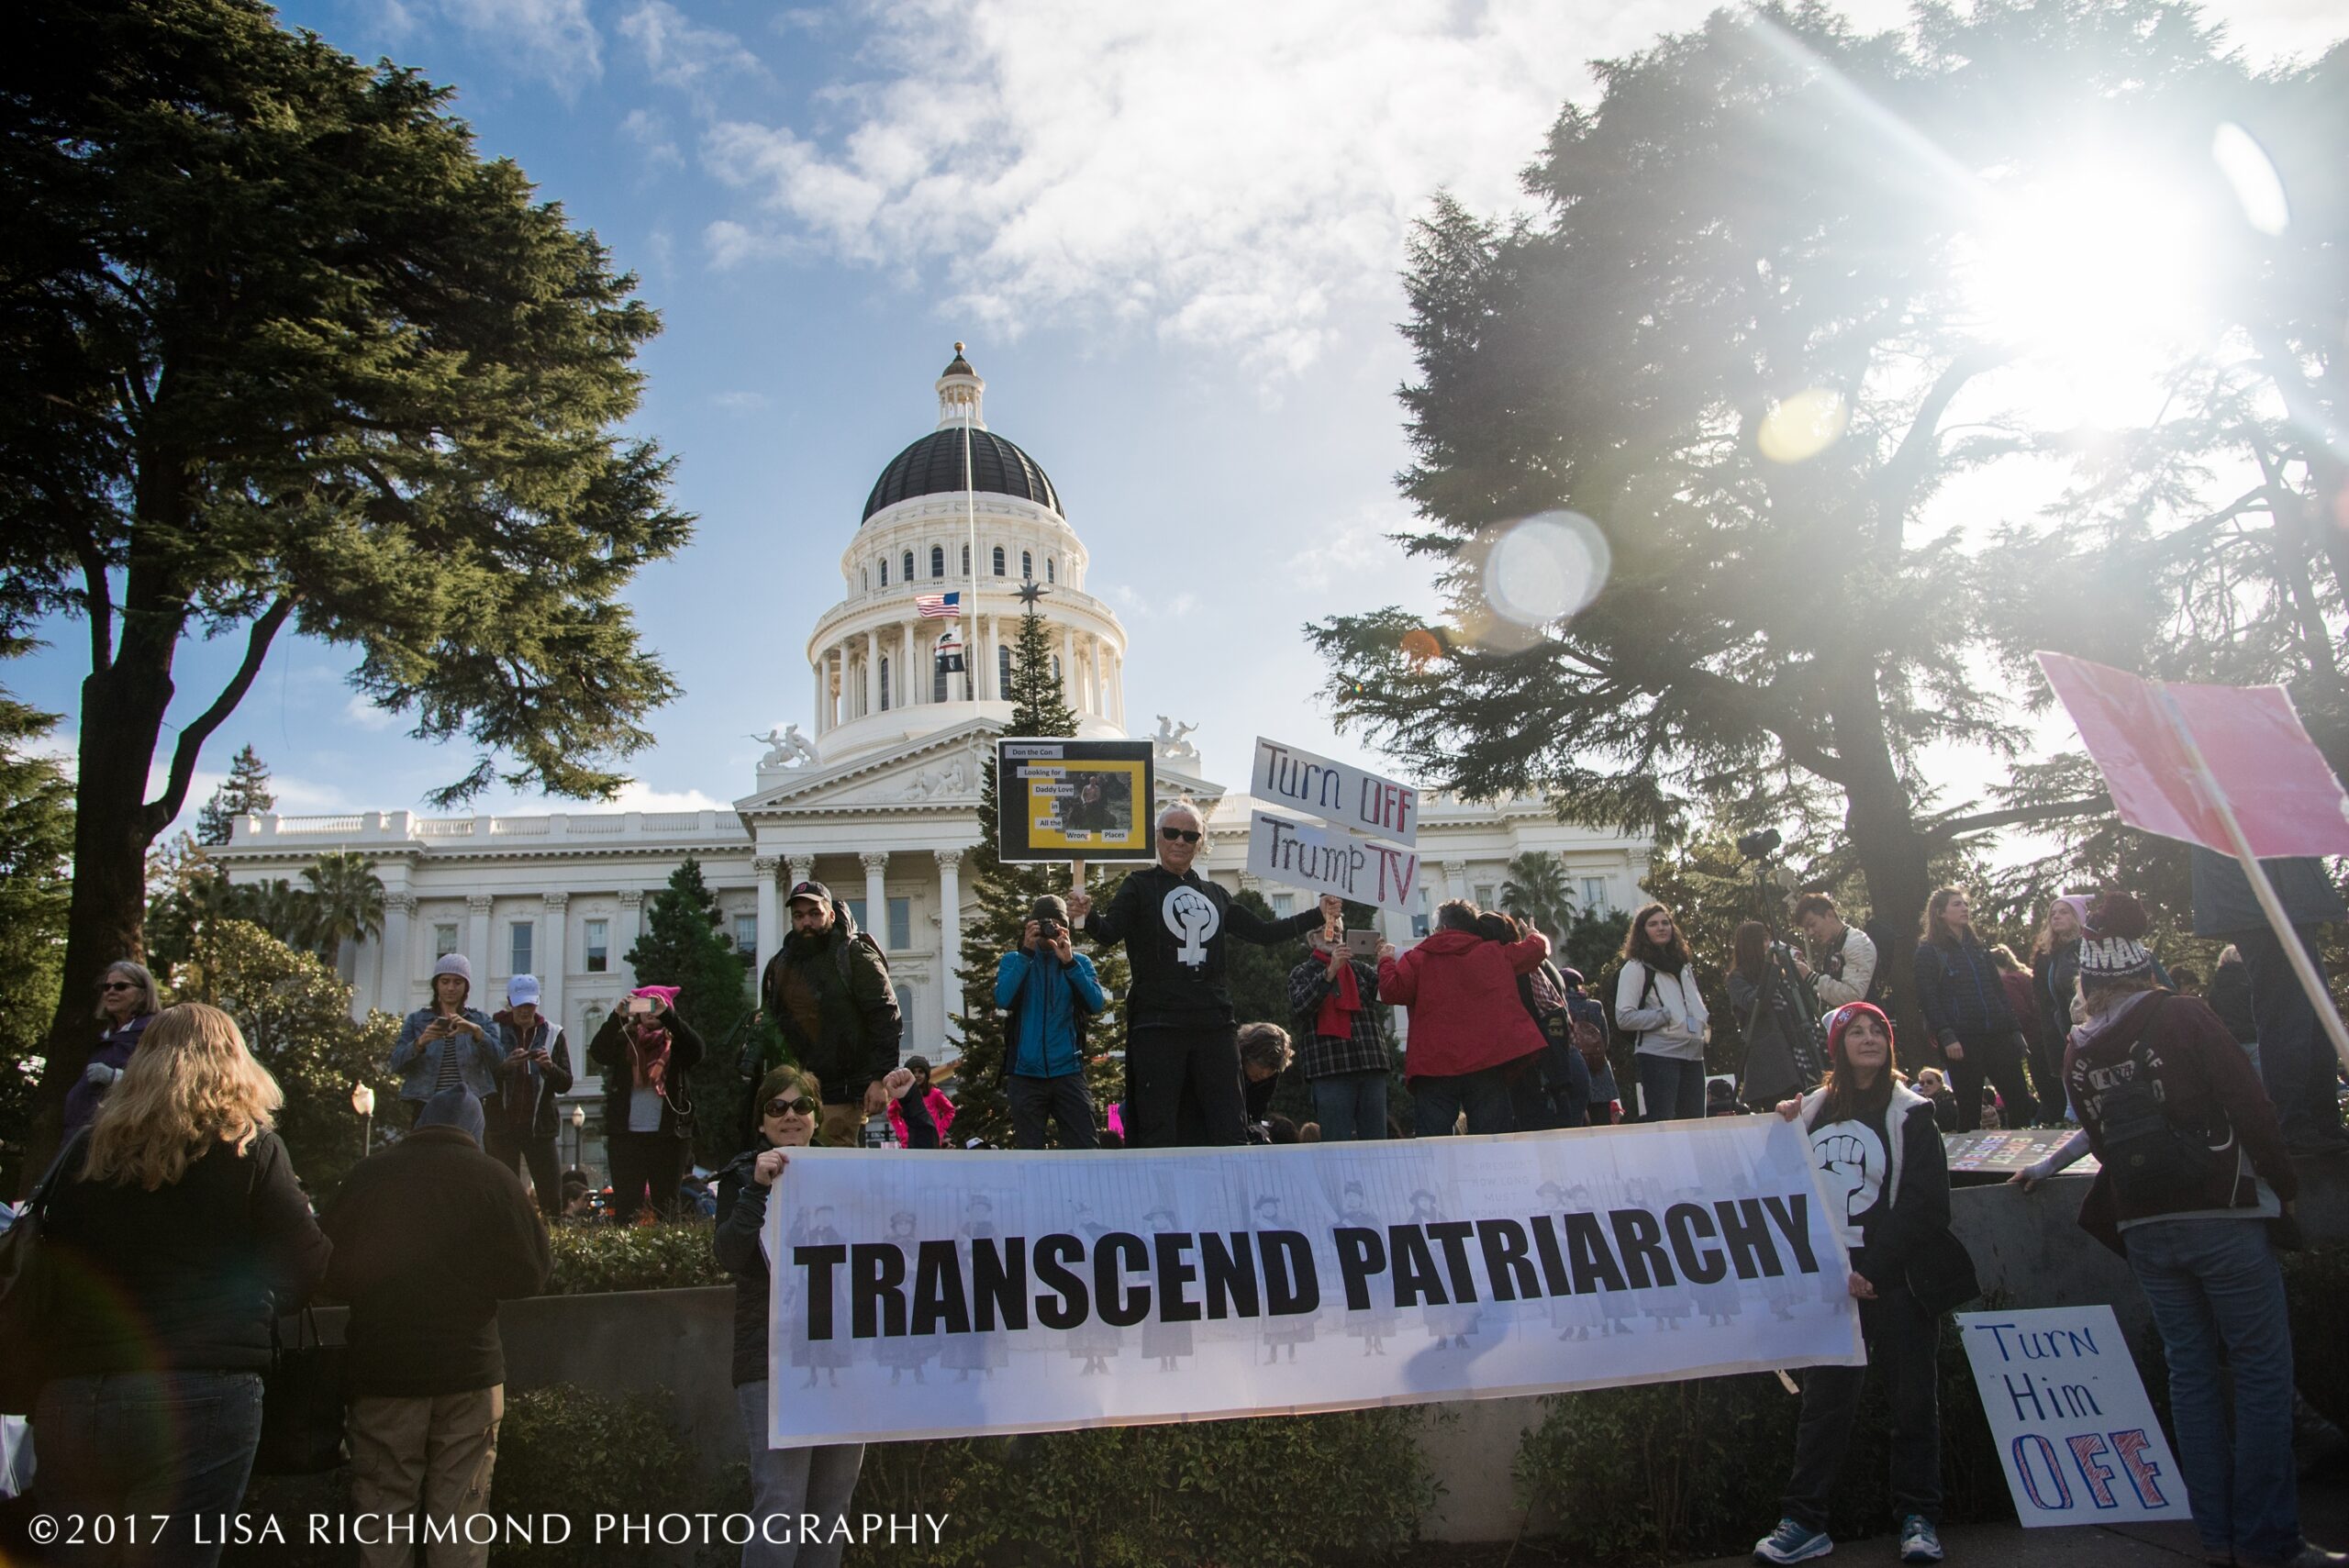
point(1803, 426)
point(1545, 568)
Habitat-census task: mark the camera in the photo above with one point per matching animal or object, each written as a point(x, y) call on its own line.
point(1760, 844)
point(1049, 931)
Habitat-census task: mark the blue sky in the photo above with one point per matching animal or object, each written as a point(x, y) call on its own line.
point(1169, 235)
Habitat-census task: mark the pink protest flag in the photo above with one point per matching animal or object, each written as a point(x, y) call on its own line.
point(2285, 800)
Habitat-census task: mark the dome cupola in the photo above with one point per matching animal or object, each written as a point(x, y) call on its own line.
point(936, 464)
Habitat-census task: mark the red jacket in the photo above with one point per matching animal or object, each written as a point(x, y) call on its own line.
point(1460, 991)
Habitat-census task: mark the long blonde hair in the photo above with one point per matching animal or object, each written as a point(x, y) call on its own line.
point(190, 1084)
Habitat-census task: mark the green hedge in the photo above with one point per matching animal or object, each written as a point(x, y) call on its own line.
point(1277, 1492)
point(2316, 1281)
point(563, 1449)
point(1696, 1469)
point(668, 1256)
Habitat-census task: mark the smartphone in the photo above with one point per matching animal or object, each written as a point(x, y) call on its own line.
point(639, 1006)
point(1364, 944)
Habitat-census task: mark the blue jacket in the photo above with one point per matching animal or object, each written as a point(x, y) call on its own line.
point(419, 1065)
point(1042, 995)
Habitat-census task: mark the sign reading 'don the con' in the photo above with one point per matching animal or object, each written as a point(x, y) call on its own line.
point(1345, 797)
point(1307, 855)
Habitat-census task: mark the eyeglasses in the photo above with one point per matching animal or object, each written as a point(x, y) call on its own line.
point(1170, 834)
point(781, 1106)
point(119, 986)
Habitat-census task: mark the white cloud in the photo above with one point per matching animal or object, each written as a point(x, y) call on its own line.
point(650, 131)
point(358, 710)
point(1355, 549)
point(636, 796)
point(679, 54)
point(1227, 175)
point(555, 39)
point(740, 402)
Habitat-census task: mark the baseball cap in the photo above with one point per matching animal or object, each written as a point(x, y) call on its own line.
point(522, 991)
point(815, 890)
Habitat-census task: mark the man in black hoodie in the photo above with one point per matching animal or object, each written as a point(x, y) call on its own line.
point(1180, 1031)
point(429, 1236)
point(828, 990)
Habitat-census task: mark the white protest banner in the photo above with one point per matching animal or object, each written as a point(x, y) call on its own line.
point(1304, 854)
point(1336, 793)
point(1040, 1292)
point(2074, 1431)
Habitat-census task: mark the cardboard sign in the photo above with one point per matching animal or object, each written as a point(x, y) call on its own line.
point(2075, 1433)
point(1062, 800)
point(1339, 795)
point(1302, 854)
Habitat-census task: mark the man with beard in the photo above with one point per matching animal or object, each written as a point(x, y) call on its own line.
point(828, 991)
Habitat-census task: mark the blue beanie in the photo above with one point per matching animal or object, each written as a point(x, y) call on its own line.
point(454, 1107)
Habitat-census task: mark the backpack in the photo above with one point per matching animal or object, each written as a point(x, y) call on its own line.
point(863, 940)
point(1589, 1038)
point(1629, 1039)
point(2155, 1163)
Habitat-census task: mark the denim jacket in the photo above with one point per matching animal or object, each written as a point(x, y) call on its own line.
point(419, 1064)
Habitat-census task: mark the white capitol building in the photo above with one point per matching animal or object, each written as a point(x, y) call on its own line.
point(877, 797)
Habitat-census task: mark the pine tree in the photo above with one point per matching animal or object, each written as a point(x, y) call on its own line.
point(245, 790)
point(1005, 894)
point(684, 944)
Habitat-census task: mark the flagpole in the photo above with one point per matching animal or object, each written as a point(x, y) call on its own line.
point(971, 512)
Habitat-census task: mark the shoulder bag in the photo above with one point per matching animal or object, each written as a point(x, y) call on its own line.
point(301, 1402)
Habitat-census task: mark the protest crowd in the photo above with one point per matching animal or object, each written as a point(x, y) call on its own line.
point(186, 1236)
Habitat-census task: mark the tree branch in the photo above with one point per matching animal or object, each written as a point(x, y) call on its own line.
point(2015, 816)
point(1896, 480)
point(192, 739)
point(101, 604)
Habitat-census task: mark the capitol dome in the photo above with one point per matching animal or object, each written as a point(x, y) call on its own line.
point(933, 466)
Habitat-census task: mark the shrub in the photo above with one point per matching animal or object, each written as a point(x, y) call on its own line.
point(1274, 1493)
point(565, 1450)
point(2315, 1284)
point(1697, 1467)
point(672, 1255)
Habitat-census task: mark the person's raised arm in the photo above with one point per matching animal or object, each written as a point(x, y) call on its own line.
point(1527, 954)
point(1011, 975)
point(1110, 924)
point(405, 1048)
point(736, 1241)
point(1308, 985)
point(1087, 982)
point(1249, 927)
point(685, 1042)
point(1399, 975)
point(558, 1062)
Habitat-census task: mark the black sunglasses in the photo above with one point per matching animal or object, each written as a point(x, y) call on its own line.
point(1183, 833)
point(119, 986)
point(781, 1106)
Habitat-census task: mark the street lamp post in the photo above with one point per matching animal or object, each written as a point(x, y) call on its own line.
point(363, 1100)
point(578, 1134)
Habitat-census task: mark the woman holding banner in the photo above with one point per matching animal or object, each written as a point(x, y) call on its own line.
point(1881, 1152)
point(786, 1482)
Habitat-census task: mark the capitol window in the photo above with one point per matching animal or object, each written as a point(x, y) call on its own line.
point(598, 943)
point(746, 934)
point(1027, 567)
point(909, 566)
point(937, 561)
point(520, 939)
point(966, 560)
point(998, 560)
point(1002, 671)
point(1048, 571)
point(444, 940)
point(885, 571)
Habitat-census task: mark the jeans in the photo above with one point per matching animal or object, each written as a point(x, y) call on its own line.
point(1436, 1103)
point(657, 1161)
point(2216, 1293)
point(537, 1155)
point(1901, 1338)
point(1063, 1099)
point(788, 1482)
point(175, 1442)
point(1161, 1065)
point(1350, 1106)
point(1991, 1058)
point(2295, 1060)
point(428, 1456)
point(1673, 1088)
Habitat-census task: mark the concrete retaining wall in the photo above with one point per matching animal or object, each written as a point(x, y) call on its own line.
point(679, 1341)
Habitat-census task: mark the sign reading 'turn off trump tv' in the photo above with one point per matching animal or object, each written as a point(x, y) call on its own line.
point(1339, 795)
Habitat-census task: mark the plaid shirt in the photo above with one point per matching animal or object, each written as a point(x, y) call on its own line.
point(1325, 1056)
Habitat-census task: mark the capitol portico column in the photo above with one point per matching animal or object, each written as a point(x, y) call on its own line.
point(950, 939)
point(872, 673)
point(770, 911)
point(556, 959)
point(802, 869)
point(910, 690)
point(631, 927)
point(1455, 878)
point(393, 980)
point(876, 898)
point(1068, 663)
point(816, 713)
point(477, 946)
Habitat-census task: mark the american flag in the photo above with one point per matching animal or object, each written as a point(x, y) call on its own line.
point(939, 606)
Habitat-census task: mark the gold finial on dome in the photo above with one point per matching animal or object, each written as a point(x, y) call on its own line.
point(958, 348)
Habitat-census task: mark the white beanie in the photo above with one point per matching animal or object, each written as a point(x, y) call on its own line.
point(457, 965)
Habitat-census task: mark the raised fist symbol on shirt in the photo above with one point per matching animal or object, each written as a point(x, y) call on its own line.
point(1845, 1159)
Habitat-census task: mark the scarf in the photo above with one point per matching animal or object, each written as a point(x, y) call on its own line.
point(648, 1044)
point(1336, 1017)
